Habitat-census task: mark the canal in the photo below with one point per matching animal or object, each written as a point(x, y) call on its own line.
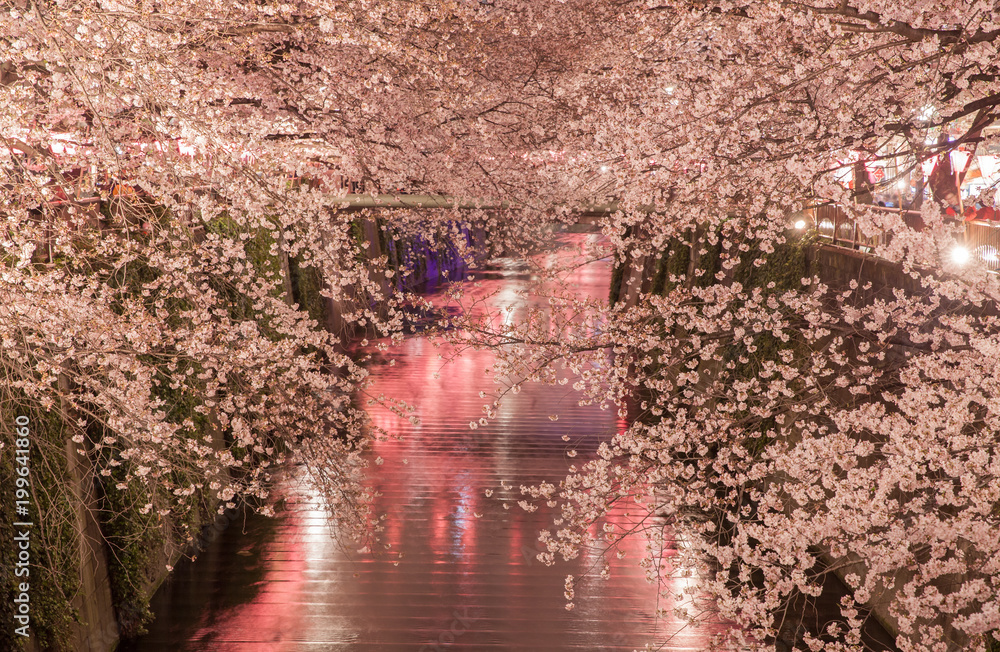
point(468, 578)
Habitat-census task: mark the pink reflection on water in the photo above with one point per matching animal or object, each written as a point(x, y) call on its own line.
point(521, 445)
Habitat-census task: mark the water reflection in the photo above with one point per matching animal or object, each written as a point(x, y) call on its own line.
point(467, 578)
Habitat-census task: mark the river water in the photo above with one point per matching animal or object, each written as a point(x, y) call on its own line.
point(468, 578)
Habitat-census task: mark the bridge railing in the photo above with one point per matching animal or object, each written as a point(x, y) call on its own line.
point(835, 226)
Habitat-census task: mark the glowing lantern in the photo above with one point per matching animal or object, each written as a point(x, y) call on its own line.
point(959, 159)
point(989, 166)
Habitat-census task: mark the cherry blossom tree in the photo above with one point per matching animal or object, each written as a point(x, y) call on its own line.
point(783, 419)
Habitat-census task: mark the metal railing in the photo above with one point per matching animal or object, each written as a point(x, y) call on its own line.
point(838, 228)
point(833, 225)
